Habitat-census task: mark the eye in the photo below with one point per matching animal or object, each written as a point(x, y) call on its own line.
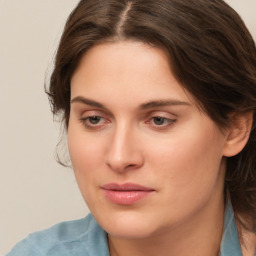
point(94, 119)
point(94, 122)
point(159, 122)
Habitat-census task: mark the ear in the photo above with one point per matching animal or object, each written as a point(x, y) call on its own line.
point(238, 132)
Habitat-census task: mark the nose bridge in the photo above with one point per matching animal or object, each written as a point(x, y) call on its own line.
point(123, 151)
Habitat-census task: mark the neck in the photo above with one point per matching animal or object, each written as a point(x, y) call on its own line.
point(200, 235)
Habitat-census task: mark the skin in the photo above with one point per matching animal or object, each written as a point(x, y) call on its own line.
point(180, 156)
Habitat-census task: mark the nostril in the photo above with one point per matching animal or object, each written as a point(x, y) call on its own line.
point(130, 166)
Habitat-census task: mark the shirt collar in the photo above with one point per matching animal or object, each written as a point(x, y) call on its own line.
point(230, 241)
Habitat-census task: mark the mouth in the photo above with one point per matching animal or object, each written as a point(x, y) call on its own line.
point(125, 194)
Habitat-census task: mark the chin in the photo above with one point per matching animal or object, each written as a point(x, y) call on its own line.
point(130, 232)
point(128, 225)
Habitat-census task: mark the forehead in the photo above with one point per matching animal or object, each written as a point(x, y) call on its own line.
point(126, 70)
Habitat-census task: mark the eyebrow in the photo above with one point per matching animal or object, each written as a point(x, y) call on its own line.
point(147, 105)
point(86, 101)
point(162, 103)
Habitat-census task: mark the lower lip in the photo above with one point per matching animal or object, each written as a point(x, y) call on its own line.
point(126, 197)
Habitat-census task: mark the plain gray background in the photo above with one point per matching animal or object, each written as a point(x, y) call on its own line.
point(36, 192)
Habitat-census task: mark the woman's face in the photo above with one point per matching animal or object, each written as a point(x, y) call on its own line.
point(146, 159)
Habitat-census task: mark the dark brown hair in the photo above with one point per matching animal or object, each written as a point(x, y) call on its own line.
point(212, 55)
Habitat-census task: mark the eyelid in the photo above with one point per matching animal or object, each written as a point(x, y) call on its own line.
point(163, 114)
point(169, 120)
point(91, 112)
point(95, 112)
point(81, 109)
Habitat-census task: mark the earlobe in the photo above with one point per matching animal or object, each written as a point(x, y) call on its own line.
point(237, 133)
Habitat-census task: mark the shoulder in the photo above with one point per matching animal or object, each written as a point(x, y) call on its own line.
point(79, 237)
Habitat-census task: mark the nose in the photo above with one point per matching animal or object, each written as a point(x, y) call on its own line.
point(124, 152)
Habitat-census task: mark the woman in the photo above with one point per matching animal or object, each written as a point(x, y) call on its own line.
point(158, 99)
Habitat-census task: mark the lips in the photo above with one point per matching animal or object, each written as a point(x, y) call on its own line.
point(125, 194)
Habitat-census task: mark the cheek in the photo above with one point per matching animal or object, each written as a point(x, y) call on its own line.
point(189, 162)
point(188, 173)
point(87, 158)
point(86, 155)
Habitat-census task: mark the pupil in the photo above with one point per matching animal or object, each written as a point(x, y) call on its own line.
point(94, 119)
point(158, 120)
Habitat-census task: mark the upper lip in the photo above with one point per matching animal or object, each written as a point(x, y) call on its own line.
point(125, 187)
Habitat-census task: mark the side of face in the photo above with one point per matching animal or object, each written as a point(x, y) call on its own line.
point(131, 122)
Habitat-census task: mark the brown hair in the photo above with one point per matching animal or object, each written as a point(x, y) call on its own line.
point(212, 55)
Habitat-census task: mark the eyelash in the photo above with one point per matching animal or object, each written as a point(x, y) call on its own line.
point(169, 122)
point(90, 125)
point(87, 122)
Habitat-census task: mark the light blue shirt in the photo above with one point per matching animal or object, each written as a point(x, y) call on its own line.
point(86, 238)
point(230, 245)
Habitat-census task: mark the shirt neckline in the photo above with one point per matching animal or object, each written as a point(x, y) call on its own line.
point(230, 244)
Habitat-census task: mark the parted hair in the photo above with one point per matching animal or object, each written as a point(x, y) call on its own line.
point(212, 55)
